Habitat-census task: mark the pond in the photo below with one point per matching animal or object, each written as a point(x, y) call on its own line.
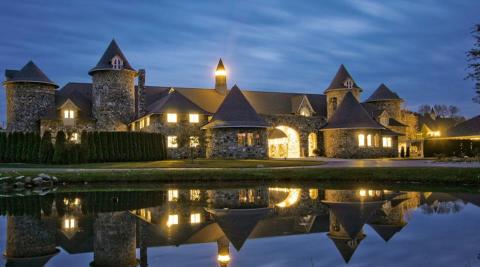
point(241, 225)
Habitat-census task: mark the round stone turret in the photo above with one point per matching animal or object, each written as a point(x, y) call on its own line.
point(30, 95)
point(113, 90)
point(388, 100)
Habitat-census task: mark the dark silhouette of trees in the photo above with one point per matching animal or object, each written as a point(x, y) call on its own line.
point(473, 58)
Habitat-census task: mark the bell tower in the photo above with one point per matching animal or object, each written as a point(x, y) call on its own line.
point(221, 78)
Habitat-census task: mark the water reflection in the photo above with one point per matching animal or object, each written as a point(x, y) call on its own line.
point(113, 225)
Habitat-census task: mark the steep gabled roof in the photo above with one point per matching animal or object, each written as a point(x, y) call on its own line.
point(383, 93)
point(236, 111)
point(238, 224)
point(29, 73)
point(469, 127)
point(386, 232)
point(345, 246)
point(174, 102)
point(220, 65)
point(105, 61)
point(351, 115)
point(338, 81)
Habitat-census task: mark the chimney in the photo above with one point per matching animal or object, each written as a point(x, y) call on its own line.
point(141, 93)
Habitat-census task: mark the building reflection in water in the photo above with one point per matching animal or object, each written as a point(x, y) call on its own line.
point(113, 225)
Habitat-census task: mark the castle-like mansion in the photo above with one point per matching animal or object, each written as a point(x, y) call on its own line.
point(215, 122)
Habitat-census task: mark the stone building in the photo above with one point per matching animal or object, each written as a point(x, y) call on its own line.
point(213, 122)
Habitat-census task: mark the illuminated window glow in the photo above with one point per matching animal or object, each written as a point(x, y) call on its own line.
point(172, 195)
point(195, 194)
point(69, 223)
point(361, 140)
point(369, 140)
point(193, 118)
point(195, 218)
point(223, 258)
point(172, 220)
point(142, 124)
point(362, 193)
point(194, 141)
point(69, 114)
point(74, 137)
point(172, 117)
point(172, 141)
point(147, 121)
point(434, 133)
point(313, 193)
point(386, 141)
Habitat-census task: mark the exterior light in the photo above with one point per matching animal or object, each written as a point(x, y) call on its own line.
point(171, 117)
point(172, 220)
point(220, 72)
point(223, 258)
point(292, 198)
point(362, 193)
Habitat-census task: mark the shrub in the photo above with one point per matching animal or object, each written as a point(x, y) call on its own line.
point(45, 154)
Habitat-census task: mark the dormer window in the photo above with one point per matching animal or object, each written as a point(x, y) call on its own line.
point(349, 83)
point(117, 63)
point(305, 112)
point(69, 114)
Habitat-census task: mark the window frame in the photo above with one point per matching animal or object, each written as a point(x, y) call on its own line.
point(172, 141)
point(193, 117)
point(361, 140)
point(171, 116)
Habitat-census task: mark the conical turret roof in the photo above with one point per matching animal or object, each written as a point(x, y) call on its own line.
point(346, 247)
point(105, 61)
point(383, 93)
point(238, 224)
point(351, 115)
point(386, 232)
point(340, 78)
point(236, 112)
point(220, 65)
point(29, 73)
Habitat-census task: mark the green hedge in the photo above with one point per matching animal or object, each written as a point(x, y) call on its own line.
point(94, 147)
point(450, 148)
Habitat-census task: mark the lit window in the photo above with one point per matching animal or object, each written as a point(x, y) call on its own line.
point(133, 126)
point(434, 133)
point(387, 142)
point(361, 140)
point(172, 195)
point(194, 194)
point(349, 83)
point(241, 138)
point(193, 118)
point(172, 220)
point(195, 218)
point(147, 121)
point(250, 139)
point(171, 117)
point(69, 114)
point(376, 140)
point(362, 193)
point(305, 112)
point(117, 63)
point(69, 223)
point(313, 193)
point(223, 258)
point(369, 140)
point(194, 141)
point(74, 137)
point(142, 124)
point(220, 72)
point(172, 141)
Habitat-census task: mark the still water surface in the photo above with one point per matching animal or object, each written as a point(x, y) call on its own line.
point(241, 226)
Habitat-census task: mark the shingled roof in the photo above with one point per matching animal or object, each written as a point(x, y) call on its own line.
point(345, 246)
point(469, 127)
point(387, 231)
point(383, 93)
point(338, 81)
point(235, 111)
point(29, 73)
point(351, 115)
point(174, 102)
point(105, 61)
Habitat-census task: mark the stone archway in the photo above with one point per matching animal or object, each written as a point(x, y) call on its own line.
point(312, 144)
point(283, 142)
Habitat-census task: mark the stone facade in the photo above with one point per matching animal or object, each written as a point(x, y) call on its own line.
point(54, 126)
point(335, 97)
point(223, 143)
point(113, 99)
point(343, 143)
point(26, 104)
point(393, 107)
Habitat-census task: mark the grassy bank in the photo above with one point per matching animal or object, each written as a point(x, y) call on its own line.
point(427, 175)
point(197, 163)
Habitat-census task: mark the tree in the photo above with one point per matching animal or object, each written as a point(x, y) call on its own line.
point(59, 155)
point(473, 59)
point(402, 152)
point(453, 111)
point(441, 110)
point(424, 109)
point(3, 146)
point(45, 153)
point(407, 154)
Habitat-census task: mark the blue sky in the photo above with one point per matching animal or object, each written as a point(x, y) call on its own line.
point(416, 47)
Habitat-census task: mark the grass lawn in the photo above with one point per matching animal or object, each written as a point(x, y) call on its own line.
point(198, 163)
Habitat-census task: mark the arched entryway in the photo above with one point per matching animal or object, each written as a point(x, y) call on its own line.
point(283, 142)
point(312, 144)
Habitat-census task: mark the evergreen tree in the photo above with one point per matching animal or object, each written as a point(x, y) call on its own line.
point(45, 154)
point(408, 152)
point(19, 146)
point(35, 148)
point(59, 154)
point(105, 144)
point(402, 152)
point(3, 146)
point(84, 147)
point(99, 146)
point(473, 56)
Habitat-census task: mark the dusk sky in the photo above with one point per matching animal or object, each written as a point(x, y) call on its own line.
point(415, 47)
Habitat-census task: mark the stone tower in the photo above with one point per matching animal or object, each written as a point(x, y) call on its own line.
point(385, 99)
point(30, 95)
point(341, 84)
point(221, 79)
point(113, 90)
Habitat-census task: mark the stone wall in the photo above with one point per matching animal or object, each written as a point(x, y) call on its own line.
point(339, 94)
point(223, 143)
point(303, 125)
point(343, 143)
point(54, 126)
point(393, 108)
point(113, 97)
point(26, 104)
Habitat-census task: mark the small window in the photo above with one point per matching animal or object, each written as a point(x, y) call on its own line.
point(349, 83)
point(172, 141)
point(369, 140)
point(387, 141)
point(142, 124)
point(69, 114)
point(193, 118)
point(258, 141)
point(132, 126)
point(334, 103)
point(69, 223)
point(172, 220)
point(195, 218)
point(74, 137)
point(376, 140)
point(147, 121)
point(172, 195)
point(195, 194)
point(249, 139)
point(194, 141)
point(242, 139)
point(361, 140)
point(117, 63)
point(305, 112)
point(172, 117)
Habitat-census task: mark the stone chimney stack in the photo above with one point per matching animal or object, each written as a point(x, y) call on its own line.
point(141, 93)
